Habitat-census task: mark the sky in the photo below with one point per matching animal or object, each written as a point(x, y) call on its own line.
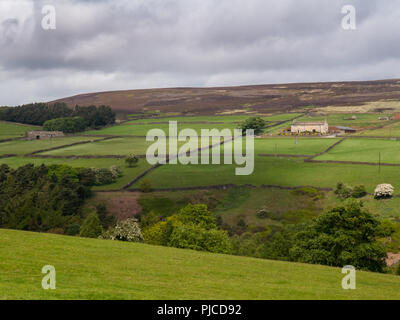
point(103, 45)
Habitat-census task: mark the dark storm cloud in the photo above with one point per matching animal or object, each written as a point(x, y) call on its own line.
point(126, 44)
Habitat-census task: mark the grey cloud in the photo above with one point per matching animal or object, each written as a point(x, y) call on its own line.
point(127, 44)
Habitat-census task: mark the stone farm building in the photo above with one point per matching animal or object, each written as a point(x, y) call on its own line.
point(38, 135)
point(315, 127)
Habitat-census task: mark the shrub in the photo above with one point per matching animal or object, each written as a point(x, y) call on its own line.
point(91, 227)
point(359, 192)
point(343, 191)
point(116, 171)
point(127, 230)
point(145, 186)
point(103, 176)
point(311, 192)
point(197, 238)
point(262, 213)
point(66, 125)
point(383, 191)
point(73, 229)
point(132, 160)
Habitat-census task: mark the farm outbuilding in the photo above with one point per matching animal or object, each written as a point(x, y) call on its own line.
point(39, 135)
point(342, 130)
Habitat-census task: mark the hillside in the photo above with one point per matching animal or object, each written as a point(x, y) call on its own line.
point(256, 98)
point(99, 269)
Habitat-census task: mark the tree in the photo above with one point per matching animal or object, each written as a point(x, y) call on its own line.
point(132, 160)
point(255, 123)
point(345, 235)
point(127, 230)
point(197, 238)
point(145, 186)
point(198, 214)
point(91, 227)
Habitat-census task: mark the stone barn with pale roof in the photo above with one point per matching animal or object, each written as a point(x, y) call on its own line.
point(39, 135)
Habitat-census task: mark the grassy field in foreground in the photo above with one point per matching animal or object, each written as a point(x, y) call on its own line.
point(14, 130)
point(365, 150)
point(104, 269)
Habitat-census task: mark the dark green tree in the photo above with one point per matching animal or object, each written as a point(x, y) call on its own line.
point(91, 227)
point(255, 123)
point(345, 235)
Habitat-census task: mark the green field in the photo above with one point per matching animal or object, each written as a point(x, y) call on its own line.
point(389, 130)
point(143, 129)
point(365, 150)
point(21, 147)
point(104, 269)
point(117, 146)
point(304, 146)
point(364, 120)
point(276, 171)
point(14, 130)
point(128, 173)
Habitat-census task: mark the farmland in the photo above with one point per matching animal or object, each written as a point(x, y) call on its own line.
point(86, 269)
point(365, 150)
point(13, 130)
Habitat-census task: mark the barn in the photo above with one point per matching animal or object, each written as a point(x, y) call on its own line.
point(39, 135)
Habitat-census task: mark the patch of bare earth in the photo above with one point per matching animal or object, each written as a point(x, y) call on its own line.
point(122, 205)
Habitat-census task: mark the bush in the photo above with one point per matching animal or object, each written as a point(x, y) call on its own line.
point(197, 214)
point(91, 227)
point(145, 186)
point(73, 229)
point(116, 171)
point(383, 191)
point(262, 213)
point(359, 192)
point(66, 125)
point(132, 160)
point(127, 230)
point(103, 176)
point(255, 123)
point(197, 238)
point(343, 191)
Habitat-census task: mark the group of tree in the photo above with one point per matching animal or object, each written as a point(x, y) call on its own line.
point(37, 199)
point(66, 125)
point(39, 113)
point(345, 235)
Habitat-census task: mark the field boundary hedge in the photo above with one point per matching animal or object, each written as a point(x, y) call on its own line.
point(327, 150)
point(222, 187)
point(3, 156)
point(284, 155)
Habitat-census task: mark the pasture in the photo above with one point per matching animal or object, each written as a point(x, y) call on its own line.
point(21, 147)
point(281, 171)
point(365, 150)
point(363, 120)
point(116, 146)
point(91, 269)
point(14, 130)
point(389, 129)
point(290, 146)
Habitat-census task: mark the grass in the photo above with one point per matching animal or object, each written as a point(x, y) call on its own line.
point(304, 146)
point(365, 150)
point(128, 173)
point(143, 129)
point(14, 130)
point(117, 146)
point(389, 130)
point(276, 171)
point(21, 147)
point(364, 120)
point(103, 269)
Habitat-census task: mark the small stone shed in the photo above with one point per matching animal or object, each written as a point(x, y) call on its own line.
point(39, 135)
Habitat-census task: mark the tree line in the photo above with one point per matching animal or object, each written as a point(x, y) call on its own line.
point(39, 113)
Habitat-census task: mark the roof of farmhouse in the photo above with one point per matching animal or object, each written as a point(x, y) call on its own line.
point(295, 123)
